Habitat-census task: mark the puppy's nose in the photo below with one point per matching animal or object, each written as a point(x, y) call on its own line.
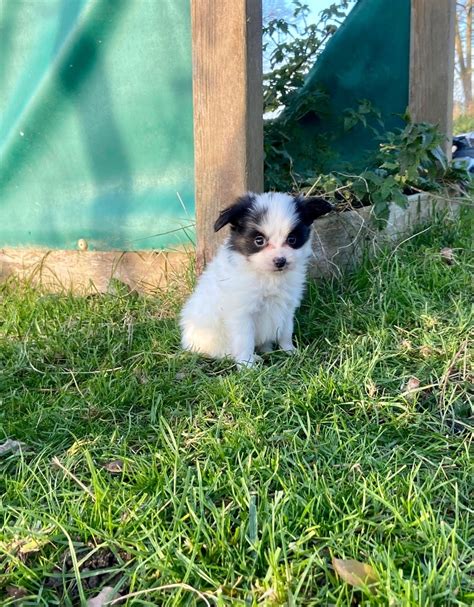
point(280, 262)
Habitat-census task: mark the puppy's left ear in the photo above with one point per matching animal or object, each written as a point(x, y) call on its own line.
point(312, 207)
point(235, 212)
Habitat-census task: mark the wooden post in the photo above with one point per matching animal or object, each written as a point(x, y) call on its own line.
point(228, 107)
point(432, 64)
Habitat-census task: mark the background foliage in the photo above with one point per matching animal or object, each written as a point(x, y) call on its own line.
point(409, 160)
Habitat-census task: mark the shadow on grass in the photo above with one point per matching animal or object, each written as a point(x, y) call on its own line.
point(76, 367)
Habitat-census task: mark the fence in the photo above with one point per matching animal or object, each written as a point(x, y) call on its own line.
point(223, 132)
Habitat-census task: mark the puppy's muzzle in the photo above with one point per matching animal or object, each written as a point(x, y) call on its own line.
point(279, 262)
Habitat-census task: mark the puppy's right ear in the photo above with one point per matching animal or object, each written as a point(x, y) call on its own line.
point(235, 212)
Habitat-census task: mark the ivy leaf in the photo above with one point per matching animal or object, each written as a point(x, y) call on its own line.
point(349, 122)
point(390, 165)
point(440, 156)
point(381, 211)
point(399, 198)
point(389, 186)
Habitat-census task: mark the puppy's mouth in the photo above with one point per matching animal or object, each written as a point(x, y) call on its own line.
point(280, 270)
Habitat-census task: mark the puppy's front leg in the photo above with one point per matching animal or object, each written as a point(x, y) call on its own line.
point(242, 338)
point(285, 334)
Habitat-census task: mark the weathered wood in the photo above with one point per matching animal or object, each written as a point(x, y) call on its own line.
point(228, 107)
point(92, 271)
point(432, 63)
point(339, 243)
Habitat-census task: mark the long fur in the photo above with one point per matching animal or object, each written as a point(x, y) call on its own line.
point(247, 296)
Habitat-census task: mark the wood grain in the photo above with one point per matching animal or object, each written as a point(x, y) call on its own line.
point(228, 107)
point(432, 64)
point(87, 272)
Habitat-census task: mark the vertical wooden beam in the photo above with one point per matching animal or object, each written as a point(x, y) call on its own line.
point(432, 63)
point(228, 107)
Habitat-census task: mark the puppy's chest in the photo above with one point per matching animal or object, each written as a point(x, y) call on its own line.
point(273, 296)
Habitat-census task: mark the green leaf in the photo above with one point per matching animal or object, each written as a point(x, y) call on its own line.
point(390, 165)
point(399, 198)
point(349, 123)
point(440, 156)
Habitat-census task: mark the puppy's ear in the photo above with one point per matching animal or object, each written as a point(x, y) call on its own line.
point(312, 207)
point(235, 212)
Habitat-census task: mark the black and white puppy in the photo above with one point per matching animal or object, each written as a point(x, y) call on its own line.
point(246, 298)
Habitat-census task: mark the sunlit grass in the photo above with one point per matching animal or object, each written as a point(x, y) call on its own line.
point(242, 486)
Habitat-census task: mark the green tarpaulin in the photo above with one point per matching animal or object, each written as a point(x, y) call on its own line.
point(95, 123)
point(366, 59)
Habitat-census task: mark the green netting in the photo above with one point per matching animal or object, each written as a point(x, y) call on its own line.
point(367, 58)
point(96, 134)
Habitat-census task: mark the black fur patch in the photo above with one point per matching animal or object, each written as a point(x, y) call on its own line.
point(244, 220)
point(235, 213)
point(242, 240)
point(301, 233)
point(312, 207)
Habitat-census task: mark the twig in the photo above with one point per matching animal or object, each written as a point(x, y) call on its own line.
point(29, 361)
point(444, 380)
point(407, 239)
point(69, 372)
point(77, 385)
point(164, 587)
point(56, 462)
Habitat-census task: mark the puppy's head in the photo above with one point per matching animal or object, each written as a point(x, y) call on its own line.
point(272, 231)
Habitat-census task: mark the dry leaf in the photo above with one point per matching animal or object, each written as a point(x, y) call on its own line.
point(114, 467)
point(426, 351)
point(31, 544)
point(429, 322)
point(16, 593)
point(10, 445)
point(410, 388)
point(447, 255)
point(355, 573)
point(371, 388)
point(104, 597)
point(406, 344)
point(22, 547)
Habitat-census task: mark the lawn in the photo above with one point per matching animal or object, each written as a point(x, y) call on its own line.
point(142, 467)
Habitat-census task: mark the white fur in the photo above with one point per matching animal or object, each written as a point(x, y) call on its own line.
point(241, 303)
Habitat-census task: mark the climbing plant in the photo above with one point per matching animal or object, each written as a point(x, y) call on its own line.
point(408, 160)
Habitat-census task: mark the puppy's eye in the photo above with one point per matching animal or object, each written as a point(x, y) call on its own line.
point(259, 241)
point(291, 240)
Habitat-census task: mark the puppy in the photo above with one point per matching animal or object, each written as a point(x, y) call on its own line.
point(247, 296)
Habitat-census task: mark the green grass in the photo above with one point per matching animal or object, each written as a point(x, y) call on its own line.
point(463, 124)
point(243, 486)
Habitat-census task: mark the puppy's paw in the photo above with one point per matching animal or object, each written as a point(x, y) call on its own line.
point(247, 362)
point(289, 348)
point(266, 348)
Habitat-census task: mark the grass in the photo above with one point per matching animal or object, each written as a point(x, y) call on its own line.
point(463, 124)
point(239, 488)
